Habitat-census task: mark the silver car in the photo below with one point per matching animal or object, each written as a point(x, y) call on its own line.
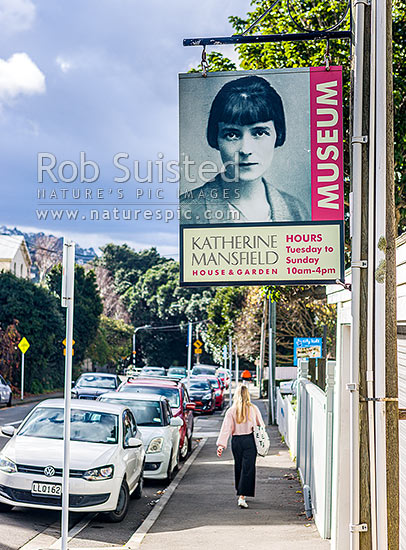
point(5, 393)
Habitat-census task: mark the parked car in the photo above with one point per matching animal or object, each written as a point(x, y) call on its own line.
point(92, 384)
point(177, 372)
point(153, 371)
point(107, 459)
point(178, 398)
point(202, 395)
point(203, 369)
point(288, 386)
point(217, 386)
point(159, 428)
point(225, 376)
point(6, 396)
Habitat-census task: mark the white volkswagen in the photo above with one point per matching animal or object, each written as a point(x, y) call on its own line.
point(107, 459)
point(160, 430)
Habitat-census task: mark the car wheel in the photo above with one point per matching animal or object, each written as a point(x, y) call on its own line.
point(5, 507)
point(10, 401)
point(121, 510)
point(190, 442)
point(169, 474)
point(137, 494)
point(185, 448)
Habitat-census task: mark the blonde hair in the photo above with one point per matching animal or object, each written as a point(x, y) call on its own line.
point(242, 403)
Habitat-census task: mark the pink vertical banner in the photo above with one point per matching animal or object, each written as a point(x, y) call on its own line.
point(326, 133)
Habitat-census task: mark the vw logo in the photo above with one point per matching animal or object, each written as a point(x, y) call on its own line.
point(49, 471)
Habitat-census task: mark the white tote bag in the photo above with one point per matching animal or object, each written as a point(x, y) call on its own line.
point(261, 440)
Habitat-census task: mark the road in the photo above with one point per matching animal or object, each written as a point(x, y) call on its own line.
point(22, 524)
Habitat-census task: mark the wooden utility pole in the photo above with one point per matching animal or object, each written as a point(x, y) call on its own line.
point(392, 414)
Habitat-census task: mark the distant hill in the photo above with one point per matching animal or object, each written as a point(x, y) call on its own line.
point(46, 250)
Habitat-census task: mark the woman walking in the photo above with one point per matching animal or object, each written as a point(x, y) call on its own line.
point(239, 422)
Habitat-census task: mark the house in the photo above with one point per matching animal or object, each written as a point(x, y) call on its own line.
point(14, 256)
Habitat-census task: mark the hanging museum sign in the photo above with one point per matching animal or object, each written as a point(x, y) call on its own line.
point(261, 177)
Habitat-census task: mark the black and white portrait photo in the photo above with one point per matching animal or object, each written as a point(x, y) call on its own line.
point(244, 147)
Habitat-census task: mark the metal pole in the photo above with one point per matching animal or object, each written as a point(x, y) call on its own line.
point(237, 366)
point(230, 365)
point(189, 353)
point(357, 145)
point(271, 382)
point(67, 298)
point(135, 330)
point(371, 272)
point(22, 375)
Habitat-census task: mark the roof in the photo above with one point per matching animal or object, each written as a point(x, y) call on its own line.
point(84, 405)
point(104, 374)
point(150, 380)
point(131, 396)
point(9, 246)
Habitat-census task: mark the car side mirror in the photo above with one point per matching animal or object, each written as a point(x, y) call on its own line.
point(134, 442)
point(73, 383)
point(8, 431)
point(190, 406)
point(176, 422)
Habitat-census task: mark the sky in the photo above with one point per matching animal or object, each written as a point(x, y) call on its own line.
point(98, 77)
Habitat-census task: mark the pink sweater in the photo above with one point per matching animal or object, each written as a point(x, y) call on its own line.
point(231, 427)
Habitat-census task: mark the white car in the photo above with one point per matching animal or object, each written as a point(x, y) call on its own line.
point(288, 386)
point(106, 465)
point(5, 393)
point(160, 430)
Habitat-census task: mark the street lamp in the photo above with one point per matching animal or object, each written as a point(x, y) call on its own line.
point(134, 333)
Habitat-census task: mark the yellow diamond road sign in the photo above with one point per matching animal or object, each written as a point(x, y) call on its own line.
point(23, 345)
point(198, 344)
point(64, 342)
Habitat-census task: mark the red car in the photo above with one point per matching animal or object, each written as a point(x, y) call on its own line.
point(178, 398)
point(224, 375)
point(218, 387)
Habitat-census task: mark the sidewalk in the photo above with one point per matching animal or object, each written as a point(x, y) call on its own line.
point(203, 514)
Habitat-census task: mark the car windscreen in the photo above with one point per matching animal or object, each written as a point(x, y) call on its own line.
point(91, 381)
point(180, 372)
point(203, 385)
point(86, 426)
point(153, 370)
point(203, 370)
point(147, 413)
point(171, 394)
point(214, 383)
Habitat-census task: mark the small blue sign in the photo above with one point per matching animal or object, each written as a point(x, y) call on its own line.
point(304, 348)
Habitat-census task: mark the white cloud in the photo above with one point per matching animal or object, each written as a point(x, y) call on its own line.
point(63, 64)
point(20, 75)
point(16, 15)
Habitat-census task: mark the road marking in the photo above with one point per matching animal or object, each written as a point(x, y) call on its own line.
point(49, 538)
point(76, 529)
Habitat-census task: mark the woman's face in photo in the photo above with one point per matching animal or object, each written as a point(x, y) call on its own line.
point(246, 151)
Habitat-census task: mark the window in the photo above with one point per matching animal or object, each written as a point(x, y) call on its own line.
point(129, 427)
point(88, 426)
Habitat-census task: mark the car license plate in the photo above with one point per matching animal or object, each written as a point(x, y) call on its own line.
point(47, 489)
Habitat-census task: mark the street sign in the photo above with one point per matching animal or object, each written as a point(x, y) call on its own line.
point(64, 342)
point(23, 345)
point(198, 350)
point(307, 347)
point(64, 351)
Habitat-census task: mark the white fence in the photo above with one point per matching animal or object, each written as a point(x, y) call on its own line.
point(287, 422)
point(308, 432)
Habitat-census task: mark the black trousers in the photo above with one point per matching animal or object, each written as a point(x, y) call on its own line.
point(245, 455)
